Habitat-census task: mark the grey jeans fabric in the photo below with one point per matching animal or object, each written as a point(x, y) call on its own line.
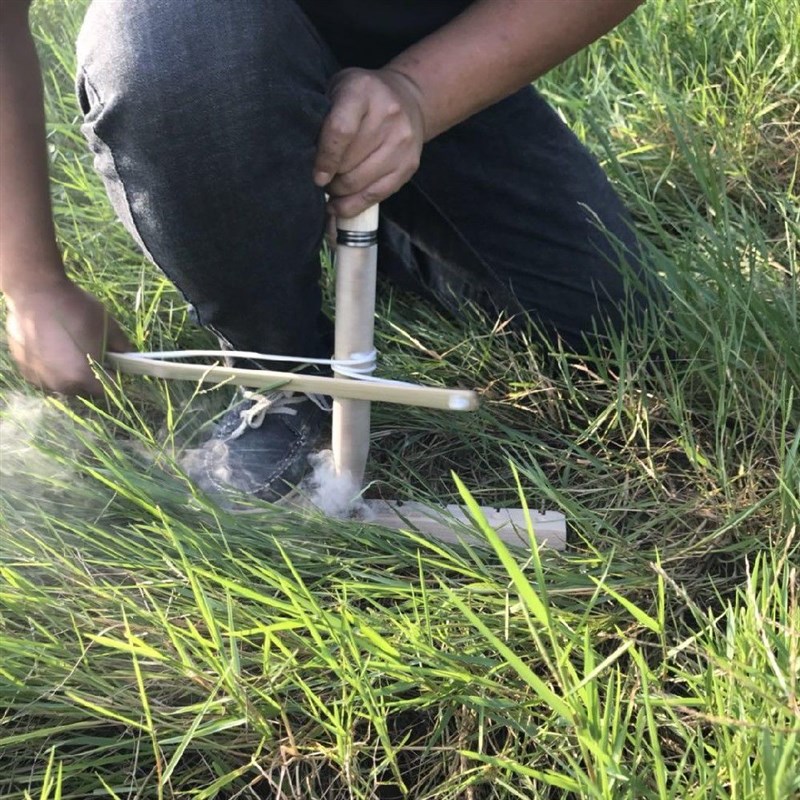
point(203, 116)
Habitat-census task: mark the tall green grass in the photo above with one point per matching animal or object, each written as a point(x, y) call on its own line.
point(152, 645)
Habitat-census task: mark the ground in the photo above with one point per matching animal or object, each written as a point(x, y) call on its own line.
point(154, 645)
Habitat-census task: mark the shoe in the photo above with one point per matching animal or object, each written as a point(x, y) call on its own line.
point(261, 446)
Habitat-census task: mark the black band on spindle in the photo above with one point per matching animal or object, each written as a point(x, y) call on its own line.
point(356, 238)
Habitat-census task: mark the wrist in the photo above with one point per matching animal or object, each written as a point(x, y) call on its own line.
point(20, 278)
point(410, 90)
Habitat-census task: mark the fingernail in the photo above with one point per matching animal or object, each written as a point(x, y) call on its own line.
point(322, 178)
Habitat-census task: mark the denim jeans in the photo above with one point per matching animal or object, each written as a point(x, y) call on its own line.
point(203, 117)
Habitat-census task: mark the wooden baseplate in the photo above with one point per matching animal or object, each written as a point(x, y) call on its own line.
point(453, 523)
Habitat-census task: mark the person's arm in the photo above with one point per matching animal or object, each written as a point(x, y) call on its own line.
point(28, 252)
point(371, 141)
point(52, 325)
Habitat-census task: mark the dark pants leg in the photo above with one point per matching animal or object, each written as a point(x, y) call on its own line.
point(203, 117)
point(511, 211)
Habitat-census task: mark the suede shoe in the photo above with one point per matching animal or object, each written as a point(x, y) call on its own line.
point(261, 445)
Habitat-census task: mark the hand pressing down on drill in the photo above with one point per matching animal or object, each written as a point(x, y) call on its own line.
point(371, 140)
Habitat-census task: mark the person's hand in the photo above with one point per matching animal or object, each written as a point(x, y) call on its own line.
point(371, 140)
point(52, 332)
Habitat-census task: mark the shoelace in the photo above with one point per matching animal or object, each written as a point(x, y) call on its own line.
point(272, 403)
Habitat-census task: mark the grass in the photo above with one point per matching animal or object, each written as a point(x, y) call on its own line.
point(155, 646)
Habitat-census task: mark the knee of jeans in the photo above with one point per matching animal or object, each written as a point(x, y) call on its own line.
point(198, 56)
point(123, 51)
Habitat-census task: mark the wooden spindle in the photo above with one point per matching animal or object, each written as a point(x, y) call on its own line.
point(356, 270)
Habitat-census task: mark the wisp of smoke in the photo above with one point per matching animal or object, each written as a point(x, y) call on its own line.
point(334, 495)
point(26, 423)
point(323, 490)
point(38, 452)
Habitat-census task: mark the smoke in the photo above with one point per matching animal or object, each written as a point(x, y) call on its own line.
point(333, 495)
point(27, 425)
point(42, 450)
point(40, 456)
point(209, 468)
point(321, 491)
